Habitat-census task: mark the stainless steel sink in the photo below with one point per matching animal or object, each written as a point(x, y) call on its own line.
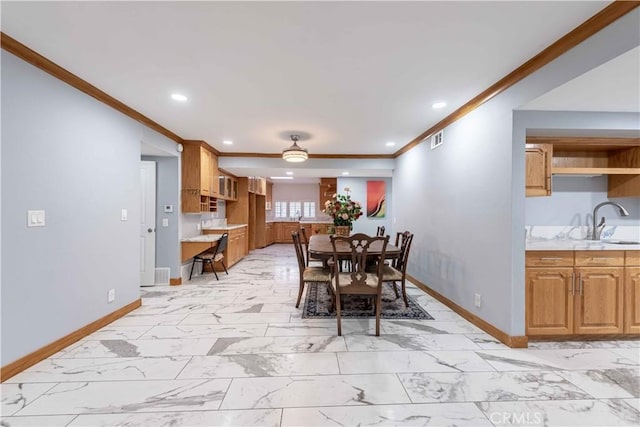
point(621, 242)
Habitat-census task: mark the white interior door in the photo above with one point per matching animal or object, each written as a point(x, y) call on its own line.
point(147, 222)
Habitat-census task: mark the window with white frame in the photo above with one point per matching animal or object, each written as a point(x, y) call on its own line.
point(295, 209)
point(280, 209)
point(309, 210)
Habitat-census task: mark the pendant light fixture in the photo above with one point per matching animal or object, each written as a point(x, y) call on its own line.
point(295, 153)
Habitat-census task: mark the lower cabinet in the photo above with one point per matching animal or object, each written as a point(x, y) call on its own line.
point(549, 301)
point(598, 302)
point(269, 233)
point(632, 300)
point(569, 298)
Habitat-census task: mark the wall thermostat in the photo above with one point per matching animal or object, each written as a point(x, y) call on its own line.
point(168, 208)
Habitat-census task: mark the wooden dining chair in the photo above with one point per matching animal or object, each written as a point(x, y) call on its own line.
point(305, 244)
point(358, 281)
point(211, 256)
point(397, 271)
point(312, 275)
point(380, 231)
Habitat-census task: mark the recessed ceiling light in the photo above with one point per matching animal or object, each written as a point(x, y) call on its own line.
point(345, 173)
point(439, 105)
point(390, 144)
point(289, 173)
point(227, 142)
point(281, 177)
point(178, 97)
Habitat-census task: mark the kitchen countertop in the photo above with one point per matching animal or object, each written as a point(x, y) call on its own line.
point(578, 245)
point(202, 238)
point(303, 221)
point(225, 227)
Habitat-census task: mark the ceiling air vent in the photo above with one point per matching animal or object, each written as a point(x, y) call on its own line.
point(437, 139)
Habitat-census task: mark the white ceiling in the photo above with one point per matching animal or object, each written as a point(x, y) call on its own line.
point(351, 75)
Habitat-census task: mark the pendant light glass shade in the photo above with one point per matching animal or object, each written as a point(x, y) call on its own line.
point(295, 153)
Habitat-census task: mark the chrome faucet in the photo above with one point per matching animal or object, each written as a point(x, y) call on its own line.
point(596, 231)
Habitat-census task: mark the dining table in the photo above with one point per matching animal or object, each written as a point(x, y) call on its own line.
point(320, 248)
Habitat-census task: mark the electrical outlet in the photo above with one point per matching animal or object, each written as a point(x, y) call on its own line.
point(111, 295)
point(478, 300)
point(198, 226)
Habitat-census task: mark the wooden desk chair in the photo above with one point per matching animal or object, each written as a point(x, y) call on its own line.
point(397, 271)
point(212, 256)
point(358, 281)
point(309, 274)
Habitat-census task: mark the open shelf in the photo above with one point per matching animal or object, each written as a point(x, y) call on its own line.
point(595, 171)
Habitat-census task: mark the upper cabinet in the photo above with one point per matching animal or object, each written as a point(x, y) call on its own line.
point(269, 196)
point(538, 178)
point(199, 174)
point(258, 185)
point(619, 158)
point(227, 187)
point(328, 187)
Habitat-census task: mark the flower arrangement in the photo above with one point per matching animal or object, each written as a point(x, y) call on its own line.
point(342, 209)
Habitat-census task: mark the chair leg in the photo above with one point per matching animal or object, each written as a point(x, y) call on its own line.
point(378, 311)
point(338, 314)
point(404, 294)
point(300, 294)
point(192, 265)
point(225, 267)
point(214, 270)
point(332, 295)
point(395, 289)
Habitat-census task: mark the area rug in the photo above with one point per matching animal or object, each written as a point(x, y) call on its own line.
point(318, 302)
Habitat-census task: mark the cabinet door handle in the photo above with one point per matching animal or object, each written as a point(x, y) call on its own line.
point(573, 284)
point(551, 259)
point(580, 282)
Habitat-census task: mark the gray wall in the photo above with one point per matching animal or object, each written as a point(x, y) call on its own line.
point(465, 200)
point(77, 159)
point(168, 193)
point(572, 202)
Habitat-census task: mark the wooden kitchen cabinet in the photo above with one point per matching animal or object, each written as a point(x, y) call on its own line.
point(632, 292)
point(549, 301)
point(199, 171)
point(269, 197)
point(599, 300)
point(269, 233)
point(328, 187)
point(282, 231)
point(581, 293)
point(618, 158)
point(287, 229)
point(538, 169)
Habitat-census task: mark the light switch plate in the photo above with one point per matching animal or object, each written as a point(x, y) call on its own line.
point(124, 215)
point(35, 219)
point(165, 222)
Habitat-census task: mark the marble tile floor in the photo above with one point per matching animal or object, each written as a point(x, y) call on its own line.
point(237, 352)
